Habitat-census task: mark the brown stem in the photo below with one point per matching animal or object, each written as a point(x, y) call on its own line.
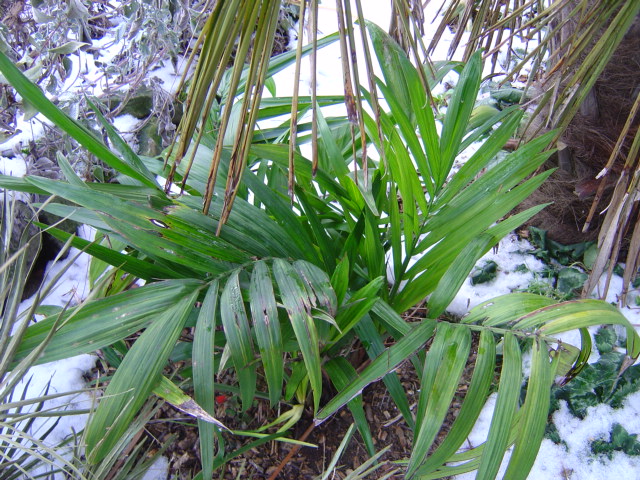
point(290, 455)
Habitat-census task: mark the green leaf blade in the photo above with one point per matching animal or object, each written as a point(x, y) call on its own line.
point(443, 365)
point(342, 373)
point(134, 379)
point(204, 374)
point(298, 305)
point(267, 328)
point(534, 415)
point(505, 409)
point(105, 321)
point(474, 401)
point(238, 333)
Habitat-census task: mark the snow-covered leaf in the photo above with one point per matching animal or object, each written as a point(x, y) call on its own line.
point(620, 441)
point(570, 279)
point(68, 47)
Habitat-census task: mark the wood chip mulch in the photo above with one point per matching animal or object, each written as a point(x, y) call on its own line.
point(385, 421)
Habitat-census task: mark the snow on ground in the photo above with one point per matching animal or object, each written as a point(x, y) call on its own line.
point(126, 125)
point(64, 375)
point(16, 167)
point(26, 130)
point(159, 469)
point(572, 459)
point(510, 255)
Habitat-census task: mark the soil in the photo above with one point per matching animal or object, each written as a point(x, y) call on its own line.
point(385, 421)
point(275, 460)
point(306, 463)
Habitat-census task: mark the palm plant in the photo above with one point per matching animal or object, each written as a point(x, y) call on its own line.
point(575, 40)
point(291, 288)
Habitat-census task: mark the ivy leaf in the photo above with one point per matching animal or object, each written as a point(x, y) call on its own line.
point(551, 432)
point(590, 256)
point(603, 381)
point(580, 392)
point(606, 340)
point(620, 441)
point(618, 270)
point(628, 383)
point(485, 273)
point(548, 249)
point(570, 279)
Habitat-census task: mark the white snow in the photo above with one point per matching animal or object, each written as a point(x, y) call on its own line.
point(64, 375)
point(16, 167)
point(26, 130)
point(159, 470)
point(126, 126)
point(509, 255)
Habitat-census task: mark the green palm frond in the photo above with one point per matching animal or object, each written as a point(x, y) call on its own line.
point(537, 318)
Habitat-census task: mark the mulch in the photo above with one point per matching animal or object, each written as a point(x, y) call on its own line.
point(385, 421)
